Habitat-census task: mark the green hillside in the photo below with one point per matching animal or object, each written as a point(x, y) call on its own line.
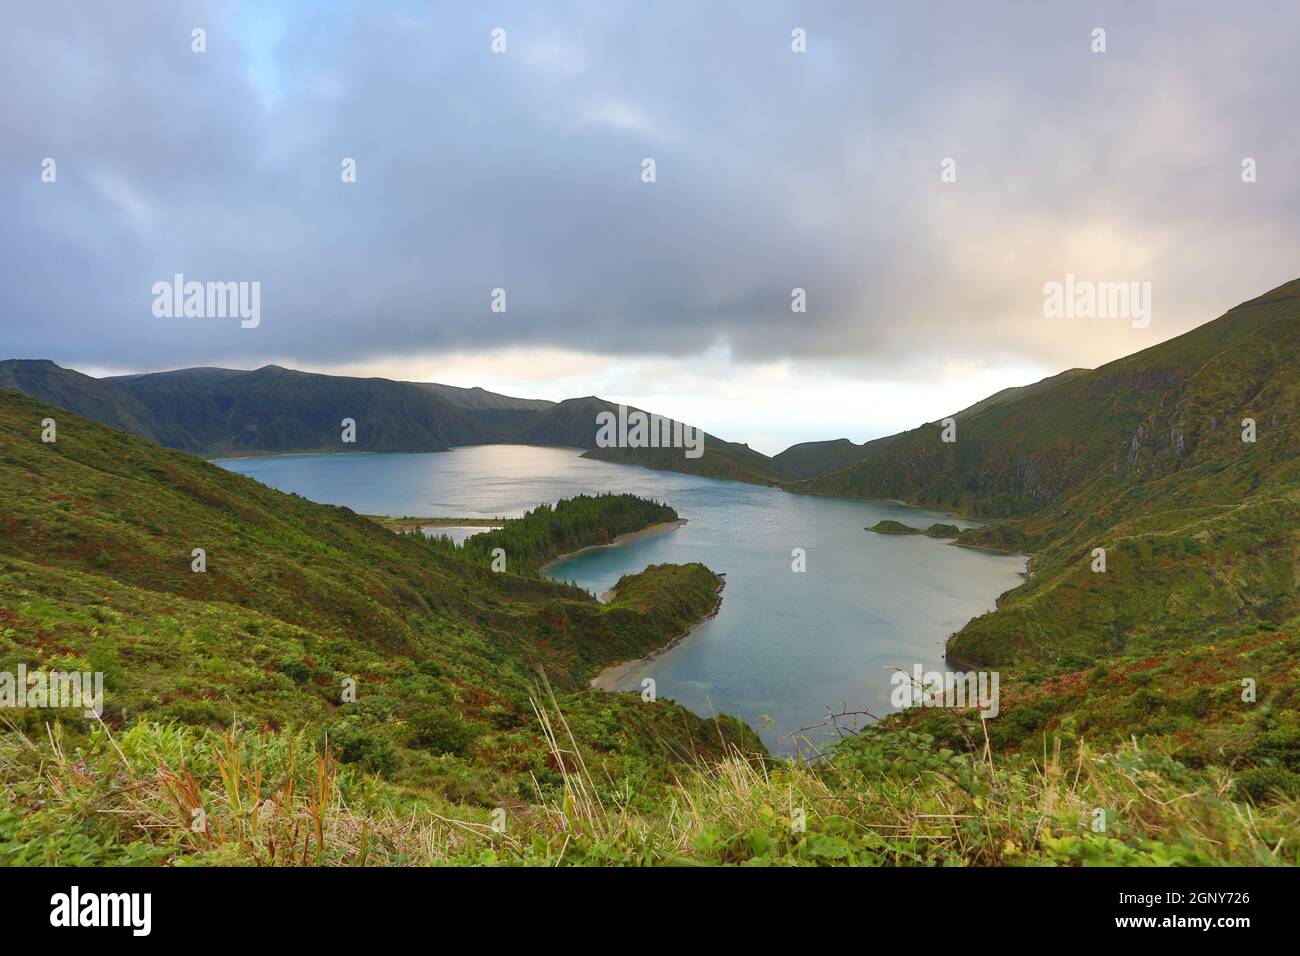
point(1144, 458)
point(96, 544)
point(720, 460)
point(1191, 698)
point(812, 458)
point(1201, 529)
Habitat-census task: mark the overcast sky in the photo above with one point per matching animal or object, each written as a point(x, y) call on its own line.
point(522, 170)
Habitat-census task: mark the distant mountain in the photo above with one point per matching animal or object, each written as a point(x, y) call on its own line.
point(225, 411)
point(92, 397)
point(217, 412)
point(480, 399)
point(570, 423)
point(499, 416)
point(213, 411)
point(812, 458)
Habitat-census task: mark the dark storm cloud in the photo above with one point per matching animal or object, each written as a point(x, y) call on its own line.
point(522, 171)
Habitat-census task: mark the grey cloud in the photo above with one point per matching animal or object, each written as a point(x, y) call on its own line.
point(522, 171)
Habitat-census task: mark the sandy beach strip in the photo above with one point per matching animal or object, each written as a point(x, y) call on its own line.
point(628, 538)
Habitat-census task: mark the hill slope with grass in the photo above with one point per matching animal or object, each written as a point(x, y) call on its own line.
point(97, 549)
point(1200, 528)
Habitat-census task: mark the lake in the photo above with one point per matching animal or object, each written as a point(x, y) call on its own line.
point(786, 647)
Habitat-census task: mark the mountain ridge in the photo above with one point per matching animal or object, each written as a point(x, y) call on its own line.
point(176, 408)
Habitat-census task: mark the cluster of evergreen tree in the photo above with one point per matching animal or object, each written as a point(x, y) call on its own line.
point(569, 525)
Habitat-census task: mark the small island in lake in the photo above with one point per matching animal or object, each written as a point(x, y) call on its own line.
point(889, 526)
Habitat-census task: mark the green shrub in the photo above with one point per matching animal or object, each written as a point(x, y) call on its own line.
point(294, 668)
point(1262, 784)
point(441, 730)
point(353, 742)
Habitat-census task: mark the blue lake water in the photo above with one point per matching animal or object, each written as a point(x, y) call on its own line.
point(786, 648)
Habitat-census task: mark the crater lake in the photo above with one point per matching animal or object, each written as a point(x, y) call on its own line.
point(786, 648)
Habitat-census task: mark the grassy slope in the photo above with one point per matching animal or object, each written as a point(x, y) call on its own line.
point(1191, 703)
point(1200, 528)
point(95, 543)
point(888, 797)
point(1142, 457)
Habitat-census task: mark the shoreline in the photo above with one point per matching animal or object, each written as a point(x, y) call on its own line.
point(249, 455)
point(254, 455)
point(407, 523)
point(614, 673)
point(628, 538)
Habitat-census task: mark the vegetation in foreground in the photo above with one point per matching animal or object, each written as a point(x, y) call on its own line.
point(882, 797)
